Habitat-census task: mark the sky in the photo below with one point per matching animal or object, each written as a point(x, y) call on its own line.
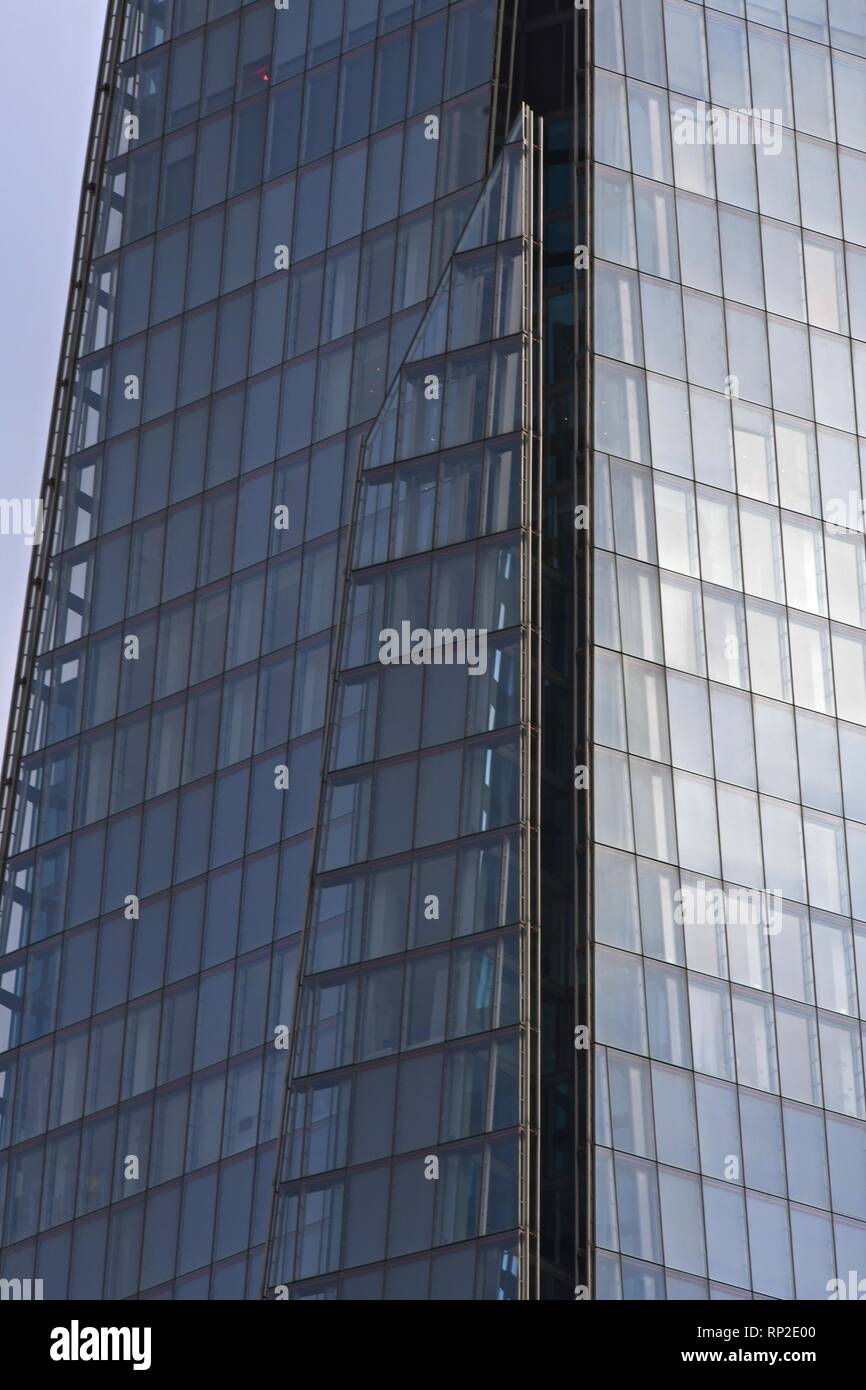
point(48, 64)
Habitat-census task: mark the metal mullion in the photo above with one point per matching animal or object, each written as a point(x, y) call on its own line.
point(583, 637)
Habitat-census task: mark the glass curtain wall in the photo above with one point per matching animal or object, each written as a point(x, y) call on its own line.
point(730, 656)
point(409, 1159)
point(282, 189)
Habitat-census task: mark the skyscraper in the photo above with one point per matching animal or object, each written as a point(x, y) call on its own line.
point(432, 828)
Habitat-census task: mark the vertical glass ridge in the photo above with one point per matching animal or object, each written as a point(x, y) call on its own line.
point(410, 1121)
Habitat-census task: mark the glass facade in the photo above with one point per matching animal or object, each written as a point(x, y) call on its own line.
point(416, 1033)
point(730, 635)
point(433, 828)
point(279, 192)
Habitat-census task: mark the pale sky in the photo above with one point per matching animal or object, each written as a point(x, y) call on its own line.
point(48, 64)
